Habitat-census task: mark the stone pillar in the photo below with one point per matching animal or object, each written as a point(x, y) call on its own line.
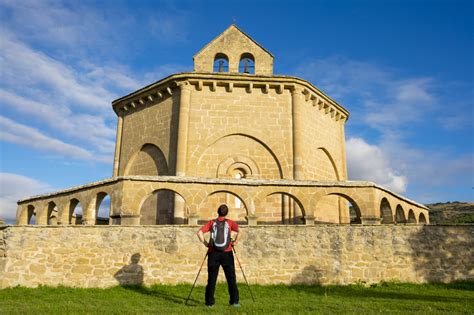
point(179, 209)
point(181, 152)
point(118, 145)
point(251, 217)
point(297, 99)
point(22, 214)
point(343, 173)
point(64, 216)
point(285, 208)
point(344, 213)
point(183, 121)
point(89, 212)
point(63, 212)
point(41, 214)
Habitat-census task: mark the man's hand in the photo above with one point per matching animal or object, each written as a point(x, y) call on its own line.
point(234, 243)
point(200, 236)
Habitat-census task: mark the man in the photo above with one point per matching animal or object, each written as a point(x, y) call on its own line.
point(220, 254)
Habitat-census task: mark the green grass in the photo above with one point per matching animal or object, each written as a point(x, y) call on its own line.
point(402, 298)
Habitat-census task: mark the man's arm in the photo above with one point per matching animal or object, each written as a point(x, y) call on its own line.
point(237, 238)
point(200, 236)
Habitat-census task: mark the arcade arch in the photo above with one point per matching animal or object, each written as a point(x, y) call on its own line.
point(411, 216)
point(400, 215)
point(238, 210)
point(158, 207)
point(76, 212)
point(337, 208)
point(386, 215)
point(103, 209)
point(422, 219)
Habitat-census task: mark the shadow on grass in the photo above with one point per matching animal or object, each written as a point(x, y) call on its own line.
point(156, 291)
point(386, 291)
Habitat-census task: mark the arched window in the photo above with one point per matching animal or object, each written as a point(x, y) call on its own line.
point(247, 64)
point(221, 63)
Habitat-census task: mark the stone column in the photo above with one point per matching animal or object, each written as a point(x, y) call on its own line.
point(370, 209)
point(297, 99)
point(41, 214)
point(22, 214)
point(344, 213)
point(118, 145)
point(181, 151)
point(183, 121)
point(343, 173)
point(89, 212)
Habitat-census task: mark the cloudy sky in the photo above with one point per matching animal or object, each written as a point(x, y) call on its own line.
point(404, 69)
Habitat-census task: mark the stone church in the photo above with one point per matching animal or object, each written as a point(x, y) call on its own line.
point(269, 146)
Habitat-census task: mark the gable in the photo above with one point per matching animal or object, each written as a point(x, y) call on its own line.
point(234, 45)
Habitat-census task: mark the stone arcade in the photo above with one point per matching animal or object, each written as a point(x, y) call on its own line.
point(270, 146)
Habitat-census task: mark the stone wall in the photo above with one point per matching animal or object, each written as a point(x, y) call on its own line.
point(100, 256)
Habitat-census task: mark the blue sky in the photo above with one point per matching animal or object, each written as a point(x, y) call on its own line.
point(404, 69)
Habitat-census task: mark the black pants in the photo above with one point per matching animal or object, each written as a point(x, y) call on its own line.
point(214, 261)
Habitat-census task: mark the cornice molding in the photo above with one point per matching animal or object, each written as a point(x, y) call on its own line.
point(165, 87)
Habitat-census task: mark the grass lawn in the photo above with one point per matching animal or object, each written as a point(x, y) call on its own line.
point(457, 298)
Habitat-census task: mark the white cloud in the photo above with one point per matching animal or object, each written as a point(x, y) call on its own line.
point(22, 66)
point(20, 134)
point(14, 187)
point(369, 162)
point(381, 100)
point(82, 29)
point(89, 128)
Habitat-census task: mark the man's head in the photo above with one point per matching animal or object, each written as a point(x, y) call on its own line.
point(223, 210)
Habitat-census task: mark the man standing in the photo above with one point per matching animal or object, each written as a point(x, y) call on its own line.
point(220, 254)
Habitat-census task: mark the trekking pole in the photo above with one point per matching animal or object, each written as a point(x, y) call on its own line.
point(245, 278)
point(185, 303)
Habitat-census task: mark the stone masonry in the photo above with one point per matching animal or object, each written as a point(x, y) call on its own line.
point(103, 256)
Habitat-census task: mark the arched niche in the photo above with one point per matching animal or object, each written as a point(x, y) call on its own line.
point(149, 161)
point(221, 63)
point(247, 63)
point(386, 215)
point(238, 211)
